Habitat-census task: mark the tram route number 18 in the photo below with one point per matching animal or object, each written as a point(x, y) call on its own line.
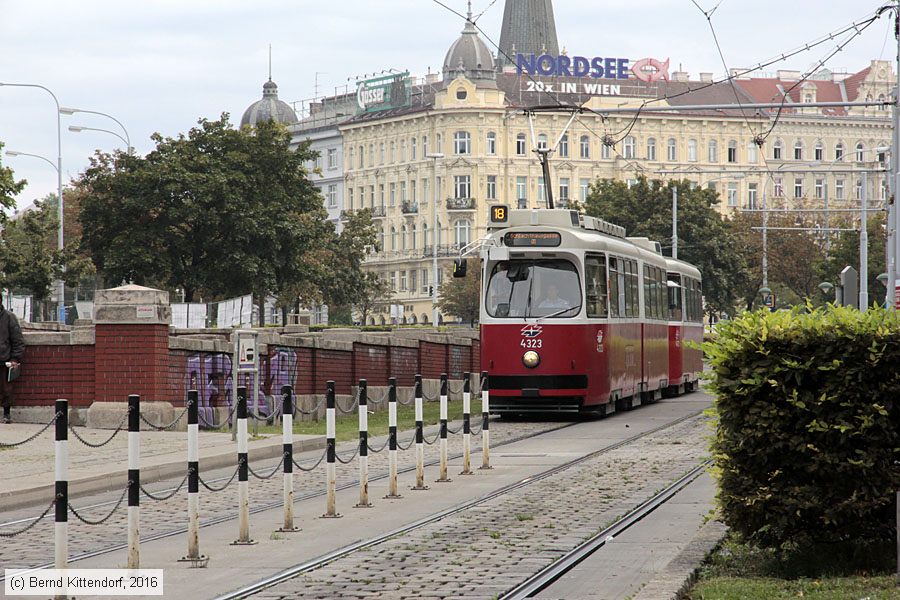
point(531, 343)
point(500, 213)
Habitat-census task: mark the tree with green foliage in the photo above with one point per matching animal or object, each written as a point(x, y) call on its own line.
point(461, 296)
point(844, 251)
point(373, 292)
point(219, 211)
point(704, 239)
point(9, 187)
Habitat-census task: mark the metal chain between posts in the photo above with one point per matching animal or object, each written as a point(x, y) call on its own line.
point(408, 402)
point(214, 489)
point(105, 442)
point(107, 517)
point(452, 431)
point(32, 437)
point(427, 398)
point(382, 399)
point(352, 406)
point(270, 475)
point(175, 491)
point(411, 441)
point(312, 468)
point(11, 534)
point(347, 462)
point(383, 446)
point(314, 411)
point(437, 434)
point(452, 391)
point(170, 425)
point(474, 431)
point(253, 415)
point(220, 425)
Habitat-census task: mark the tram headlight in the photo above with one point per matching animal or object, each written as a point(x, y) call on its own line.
point(531, 359)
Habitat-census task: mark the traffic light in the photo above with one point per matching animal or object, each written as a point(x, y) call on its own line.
point(431, 290)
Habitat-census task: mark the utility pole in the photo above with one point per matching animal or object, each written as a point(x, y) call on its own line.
point(863, 247)
point(765, 239)
point(893, 214)
point(675, 221)
point(544, 153)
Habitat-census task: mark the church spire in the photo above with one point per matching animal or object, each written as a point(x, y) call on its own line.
point(529, 27)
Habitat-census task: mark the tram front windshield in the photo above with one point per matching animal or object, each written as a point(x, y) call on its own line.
point(534, 288)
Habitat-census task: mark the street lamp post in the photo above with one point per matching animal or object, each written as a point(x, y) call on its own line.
point(434, 241)
point(80, 128)
point(71, 111)
point(60, 284)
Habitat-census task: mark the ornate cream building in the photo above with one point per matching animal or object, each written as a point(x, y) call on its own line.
point(474, 116)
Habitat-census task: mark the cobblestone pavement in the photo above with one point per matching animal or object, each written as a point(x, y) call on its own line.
point(36, 546)
point(482, 552)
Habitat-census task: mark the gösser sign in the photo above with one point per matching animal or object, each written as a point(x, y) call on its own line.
point(647, 70)
point(383, 93)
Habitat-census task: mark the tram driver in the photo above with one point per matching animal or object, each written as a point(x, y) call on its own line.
point(552, 299)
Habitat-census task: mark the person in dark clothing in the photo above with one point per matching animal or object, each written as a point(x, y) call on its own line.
point(12, 347)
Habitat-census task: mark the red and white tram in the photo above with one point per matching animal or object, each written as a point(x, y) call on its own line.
point(578, 318)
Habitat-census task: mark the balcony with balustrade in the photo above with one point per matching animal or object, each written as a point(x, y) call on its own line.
point(461, 203)
point(409, 208)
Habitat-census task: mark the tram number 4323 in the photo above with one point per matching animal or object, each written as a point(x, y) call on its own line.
point(531, 343)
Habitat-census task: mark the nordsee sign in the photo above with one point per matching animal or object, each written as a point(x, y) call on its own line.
point(648, 70)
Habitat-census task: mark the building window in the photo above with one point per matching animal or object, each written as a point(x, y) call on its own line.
point(585, 146)
point(751, 196)
point(839, 152)
point(860, 152)
point(412, 149)
point(839, 189)
point(629, 147)
point(798, 187)
point(777, 150)
point(491, 143)
point(491, 187)
point(732, 194)
point(360, 159)
point(522, 191)
point(542, 141)
point(461, 231)
point(461, 142)
point(798, 150)
point(393, 196)
point(711, 185)
point(318, 162)
point(819, 152)
point(371, 197)
point(424, 146)
point(671, 150)
point(564, 146)
point(425, 195)
point(403, 246)
point(393, 281)
point(402, 192)
point(393, 153)
point(779, 187)
point(439, 143)
point(732, 151)
point(403, 150)
point(350, 198)
point(651, 149)
point(563, 190)
point(424, 278)
point(381, 153)
point(381, 194)
point(413, 284)
point(462, 186)
point(412, 190)
point(520, 144)
point(371, 155)
point(393, 238)
point(424, 235)
point(858, 189)
point(629, 183)
point(585, 185)
point(542, 191)
point(692, 150)
point(605, 151)
point(713, 151)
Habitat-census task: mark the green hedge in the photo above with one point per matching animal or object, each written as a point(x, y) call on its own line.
point(808, 435)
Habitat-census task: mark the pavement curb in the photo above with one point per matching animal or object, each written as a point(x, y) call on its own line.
point(152, 473)
point(675, 580)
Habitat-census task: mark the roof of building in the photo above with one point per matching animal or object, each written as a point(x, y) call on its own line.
point(469, 56)
point(528, 28)
point(269, 108)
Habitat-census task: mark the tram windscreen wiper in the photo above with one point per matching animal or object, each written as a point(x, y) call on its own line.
point(557, 313)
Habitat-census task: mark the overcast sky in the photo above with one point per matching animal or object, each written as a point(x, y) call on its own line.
point(160, 65)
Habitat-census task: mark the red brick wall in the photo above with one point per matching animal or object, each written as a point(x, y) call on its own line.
point(432, 359)
point(404, 364)
point(131, 359)
point(336, 365)
point(51, 372)
point(372, 363)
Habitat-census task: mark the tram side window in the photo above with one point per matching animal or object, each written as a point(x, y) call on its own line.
point(628, 292)
point(616, 288)
point(595, 286)
point(633, 308)
point(648, 292)
point(675, 299)
point(661, 293)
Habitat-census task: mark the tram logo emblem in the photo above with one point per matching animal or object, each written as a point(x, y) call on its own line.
point(532, 331)
point(599, 340)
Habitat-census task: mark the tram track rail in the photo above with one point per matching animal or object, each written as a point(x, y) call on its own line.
point(321, 561)
point(546, 577)
point(261, 507)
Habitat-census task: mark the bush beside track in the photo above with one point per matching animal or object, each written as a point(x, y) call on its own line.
point(807, 446)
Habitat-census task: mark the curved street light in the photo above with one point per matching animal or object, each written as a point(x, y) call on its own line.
point(43, 158)
point(80, 128)
point(71, 111)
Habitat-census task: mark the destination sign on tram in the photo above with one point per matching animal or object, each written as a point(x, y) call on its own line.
point(532, 239)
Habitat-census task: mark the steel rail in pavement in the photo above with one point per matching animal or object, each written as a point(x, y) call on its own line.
point(552, 572)
point(330, 557)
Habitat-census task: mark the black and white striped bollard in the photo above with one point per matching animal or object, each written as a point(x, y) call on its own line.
point(61, 526)
point(443, 468)
point(420, 439)
point(485, 422)
point(287, 439)
point(330, 454)
point(363, 445)
point(392, 439)
point(193, 431)
point(243, 471)
point(467, 424)
point(134, 482)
